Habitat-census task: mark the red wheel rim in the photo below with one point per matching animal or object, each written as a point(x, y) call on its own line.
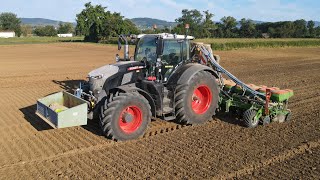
point(130, 119)
point(201, 99)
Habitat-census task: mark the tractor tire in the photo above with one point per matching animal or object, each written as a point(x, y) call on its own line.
point(249, 118)
point(125, 116)
point(196, 102)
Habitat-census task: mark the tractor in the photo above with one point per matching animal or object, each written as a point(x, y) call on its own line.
point(168, 77)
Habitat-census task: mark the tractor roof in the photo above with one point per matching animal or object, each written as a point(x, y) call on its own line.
point(166, 36)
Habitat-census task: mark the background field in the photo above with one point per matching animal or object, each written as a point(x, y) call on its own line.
point(222, 148)
point(217, 44)
point(37, 40)
point(236, 43)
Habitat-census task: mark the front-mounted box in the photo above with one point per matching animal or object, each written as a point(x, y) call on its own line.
point(61, 110)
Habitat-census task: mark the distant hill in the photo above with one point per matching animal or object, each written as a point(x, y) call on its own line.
point(144, 23)
point(317, 23)
point(257, 22)
point(40, 22)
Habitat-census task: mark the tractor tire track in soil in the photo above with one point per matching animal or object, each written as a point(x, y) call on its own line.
point(219, 149)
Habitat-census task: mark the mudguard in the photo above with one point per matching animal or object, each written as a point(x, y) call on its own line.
point(133, 88)
point(184, 74)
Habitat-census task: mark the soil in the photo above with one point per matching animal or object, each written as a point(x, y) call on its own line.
point(219, 149)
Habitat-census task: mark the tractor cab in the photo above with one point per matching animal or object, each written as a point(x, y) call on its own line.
point(162, 53)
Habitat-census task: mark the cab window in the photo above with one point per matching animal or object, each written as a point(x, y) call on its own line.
point(172, 53)
point(146, 48)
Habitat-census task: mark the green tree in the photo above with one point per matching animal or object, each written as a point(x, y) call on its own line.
point(26, 30)
point(311, 29)
point(45, 31)
point(65, 28)
point(10, 22)
point(300, 28)
point(97, 24)
point(317, 31)
point(191, 17)
point(208, 26)
point(271, 31)
point(247, 29)
point(219, 33)
point(284, 29)
point(91, 16)
point(116, 24)
point(229, 26)
point(200, 25)
point(167, 29)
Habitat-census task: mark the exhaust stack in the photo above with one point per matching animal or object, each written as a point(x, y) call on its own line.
point(126, 46)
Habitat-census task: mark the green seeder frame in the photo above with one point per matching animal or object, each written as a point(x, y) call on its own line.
point(240, 102)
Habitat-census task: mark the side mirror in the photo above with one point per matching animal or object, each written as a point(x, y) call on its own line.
point(159, 47)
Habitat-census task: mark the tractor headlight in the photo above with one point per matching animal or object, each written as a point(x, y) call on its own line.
point(97, 77)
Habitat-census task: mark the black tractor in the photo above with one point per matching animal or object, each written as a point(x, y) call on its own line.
point(163, 79)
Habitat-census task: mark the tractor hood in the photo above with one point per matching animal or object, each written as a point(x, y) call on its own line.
point(98, 77)
point(109, 70)
point(104, 71)
point(102, 76)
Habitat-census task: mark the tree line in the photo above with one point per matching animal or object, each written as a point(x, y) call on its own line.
point(63, 28)
point(202, 26)
point(98, 24)
point(10, 22)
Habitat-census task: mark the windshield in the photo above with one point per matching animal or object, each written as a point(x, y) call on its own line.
point(146, 49)
point(175, 51)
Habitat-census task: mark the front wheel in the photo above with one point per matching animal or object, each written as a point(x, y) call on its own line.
point(125, 116)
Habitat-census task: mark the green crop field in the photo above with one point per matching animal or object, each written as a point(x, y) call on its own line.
point(237, 43)
point(37, 40)
point(217, 44)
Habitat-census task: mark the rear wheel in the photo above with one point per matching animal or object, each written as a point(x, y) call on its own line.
point(197, 101)
point(125, 116)
point(249, 118)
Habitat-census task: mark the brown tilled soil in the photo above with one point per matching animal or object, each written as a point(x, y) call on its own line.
point(222, 148)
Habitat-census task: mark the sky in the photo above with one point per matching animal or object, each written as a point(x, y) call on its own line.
point(263, 10)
